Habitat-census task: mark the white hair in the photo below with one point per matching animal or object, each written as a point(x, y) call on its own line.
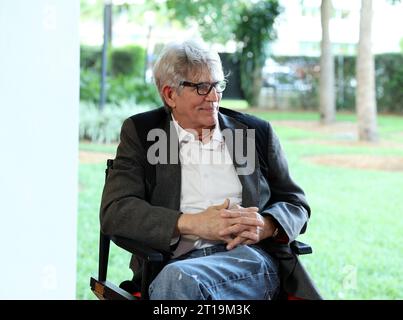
point(185, 61)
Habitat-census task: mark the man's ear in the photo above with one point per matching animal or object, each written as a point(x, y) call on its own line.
point(169, 96)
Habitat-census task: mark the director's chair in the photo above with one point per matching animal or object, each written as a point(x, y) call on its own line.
point(152, 261)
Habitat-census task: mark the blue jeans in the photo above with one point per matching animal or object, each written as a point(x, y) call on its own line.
point(243, 273)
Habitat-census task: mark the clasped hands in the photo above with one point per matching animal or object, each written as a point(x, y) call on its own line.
point(234, 225)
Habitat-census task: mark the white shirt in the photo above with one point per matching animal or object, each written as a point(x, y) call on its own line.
point(208, 178)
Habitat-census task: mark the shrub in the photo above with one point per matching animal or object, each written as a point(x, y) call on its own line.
point(90, 83)
point(125, 80)
point(104, 126)
point(128, 61)
point(90, 58)
point(389, 82)
point(125, 88)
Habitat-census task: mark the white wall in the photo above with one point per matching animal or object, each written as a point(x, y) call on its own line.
point(39, 96)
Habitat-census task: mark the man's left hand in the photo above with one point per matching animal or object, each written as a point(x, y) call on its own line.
point(245, 234)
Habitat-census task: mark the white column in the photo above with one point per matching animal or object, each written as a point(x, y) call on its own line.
point(39, 98)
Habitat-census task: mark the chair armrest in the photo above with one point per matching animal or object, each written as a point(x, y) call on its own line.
point(141, 250)
point(299, 247)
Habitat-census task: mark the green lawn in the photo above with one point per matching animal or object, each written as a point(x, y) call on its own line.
point(355, 228)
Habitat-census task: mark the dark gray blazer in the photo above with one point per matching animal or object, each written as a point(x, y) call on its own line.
point(141, 201)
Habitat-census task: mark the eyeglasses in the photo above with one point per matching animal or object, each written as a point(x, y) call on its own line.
point(204, 88)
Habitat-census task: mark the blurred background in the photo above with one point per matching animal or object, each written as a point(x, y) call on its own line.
point(271, 50)
point(327, 74)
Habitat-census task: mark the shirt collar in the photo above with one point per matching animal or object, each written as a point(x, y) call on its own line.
point(185, 136)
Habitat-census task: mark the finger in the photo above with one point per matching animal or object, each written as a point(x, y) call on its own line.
point(224, 205)
point(249, 221)
point(248, 209)
point(227, 239)
point(252, 225)
point(250, 236)
point(238, 206)
point(228, 214)
point(234, 213)
point(234, 243)
point(241, 219)
point(235, 229)
point(248, 242)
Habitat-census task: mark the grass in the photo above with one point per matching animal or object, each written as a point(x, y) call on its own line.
point(93, 147)
point(356, 223)
point(355, 228)
point(234, 104)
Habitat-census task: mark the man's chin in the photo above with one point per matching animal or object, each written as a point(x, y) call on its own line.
point(208, 117)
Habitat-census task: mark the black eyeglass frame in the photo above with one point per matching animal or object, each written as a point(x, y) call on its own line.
point(197, 86)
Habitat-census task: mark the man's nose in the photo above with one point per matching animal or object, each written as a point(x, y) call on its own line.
point(213, 95)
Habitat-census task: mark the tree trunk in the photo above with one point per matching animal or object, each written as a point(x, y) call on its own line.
point(365, 96)
point(327, 74)
point(257, 85)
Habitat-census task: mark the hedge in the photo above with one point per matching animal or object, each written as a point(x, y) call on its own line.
point(125, 76)
point(129, 61)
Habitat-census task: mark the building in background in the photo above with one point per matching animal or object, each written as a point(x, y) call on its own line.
point(299, 27)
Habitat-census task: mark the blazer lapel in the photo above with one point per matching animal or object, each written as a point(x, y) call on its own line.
point(168, 174)
point(250, 180)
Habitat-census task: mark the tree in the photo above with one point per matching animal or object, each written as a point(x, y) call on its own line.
point(249, 23)
point(327, 73)
point(216, 20)
point(365, 97)
point(254, 32)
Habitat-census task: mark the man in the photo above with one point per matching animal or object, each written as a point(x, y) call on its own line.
point(181, 183)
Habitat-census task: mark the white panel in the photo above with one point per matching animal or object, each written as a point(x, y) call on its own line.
point(39, 97)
